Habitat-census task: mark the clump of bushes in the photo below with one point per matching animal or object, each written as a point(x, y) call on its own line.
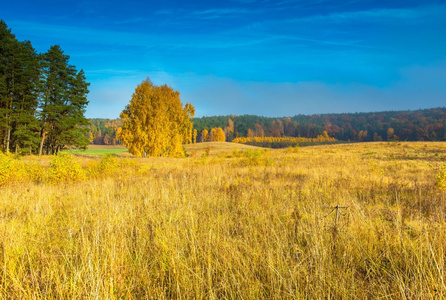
point(35, 171)
point(253, 158)
point(13, 170)
point(292, 149)
point(10, 169)
point(108, 164)
point(63, 168)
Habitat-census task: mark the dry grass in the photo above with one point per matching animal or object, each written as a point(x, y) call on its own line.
point(233, 225)
point(216, 148)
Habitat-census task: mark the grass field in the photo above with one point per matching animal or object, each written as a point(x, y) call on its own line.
point(99, 150)
point(353, 221)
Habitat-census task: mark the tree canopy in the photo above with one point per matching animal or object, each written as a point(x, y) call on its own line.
point(155, 123)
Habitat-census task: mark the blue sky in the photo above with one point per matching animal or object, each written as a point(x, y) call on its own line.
point(270, 58)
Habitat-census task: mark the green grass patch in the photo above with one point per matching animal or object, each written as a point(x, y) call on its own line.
point(96, 151)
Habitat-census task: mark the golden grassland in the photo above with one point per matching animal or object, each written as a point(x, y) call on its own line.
point(227, 223)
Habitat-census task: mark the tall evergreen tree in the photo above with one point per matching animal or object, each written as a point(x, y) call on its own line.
point(7, 41)
point(25, 124)
point(19, 72)
point(63, 103)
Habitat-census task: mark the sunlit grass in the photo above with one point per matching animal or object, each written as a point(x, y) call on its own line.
point(233, 224)
point(97, 151)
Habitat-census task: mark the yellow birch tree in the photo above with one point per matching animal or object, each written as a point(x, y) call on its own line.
point(155, 123)
point(205, 135)
point(219, 135)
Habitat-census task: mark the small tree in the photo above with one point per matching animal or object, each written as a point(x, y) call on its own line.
point(390, 134)
point(194, 136)
point(377, 137)
point(219, 135)
point(212, 135)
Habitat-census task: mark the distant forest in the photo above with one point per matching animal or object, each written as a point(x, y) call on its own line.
point(418, 125)
point(104, 131)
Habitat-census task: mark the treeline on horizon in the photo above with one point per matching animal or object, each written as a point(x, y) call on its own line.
point(418, 125)
point(104, 131)
point(42, 98)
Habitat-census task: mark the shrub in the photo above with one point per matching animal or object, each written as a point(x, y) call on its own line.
point(93, 169)
point(36, 172)
point(108, 164)
point(255, 158)
point(441, 178)
point(291, 149)
point(5, 168)
point(63, 168)
point(11, 170)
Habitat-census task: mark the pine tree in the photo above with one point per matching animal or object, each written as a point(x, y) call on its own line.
point(25, 124)
point(7, 45)
point(19, 72)
point(72, 124)
point(63, 103)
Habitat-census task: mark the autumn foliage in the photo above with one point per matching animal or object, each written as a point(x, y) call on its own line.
point(155, 123)
point(320, 138)
point(214, 135)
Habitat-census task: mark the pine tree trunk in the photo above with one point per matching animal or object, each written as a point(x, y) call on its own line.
point(41, 143)
point(4, 140)
point(8, 138)
point(10, 109)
